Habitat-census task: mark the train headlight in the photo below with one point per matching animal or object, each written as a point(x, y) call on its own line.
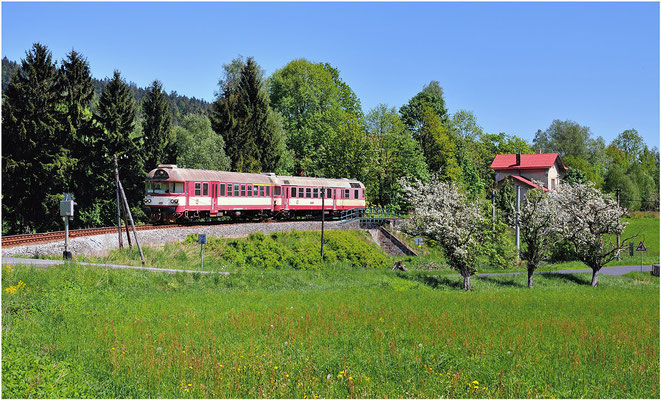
point(147, 201)
point(174, 201)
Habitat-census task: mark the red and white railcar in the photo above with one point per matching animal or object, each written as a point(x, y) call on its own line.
point(181, 193)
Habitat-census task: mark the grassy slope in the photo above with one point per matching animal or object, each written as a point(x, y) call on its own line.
point(339, 332)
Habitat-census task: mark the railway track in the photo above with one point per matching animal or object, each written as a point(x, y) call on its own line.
point(21, 240)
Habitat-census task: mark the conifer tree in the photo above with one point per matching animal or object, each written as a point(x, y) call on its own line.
point(158, 144)
point(35, 162)
point(83, 133)
point(116, 113)
point(253, 133)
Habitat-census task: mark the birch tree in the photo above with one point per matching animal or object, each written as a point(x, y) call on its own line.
point(443, 214)
point(590, 221)
point(538, 229)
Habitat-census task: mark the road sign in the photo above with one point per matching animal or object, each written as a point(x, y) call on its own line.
point(418, 241)
point(641, 247)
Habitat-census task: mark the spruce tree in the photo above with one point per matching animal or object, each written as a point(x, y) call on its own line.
point(158, 144)
point(252, 131)
point(35, 161)
point(116, 113)
point(83, 133)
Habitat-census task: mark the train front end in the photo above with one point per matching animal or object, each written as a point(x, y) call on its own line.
point(165, 194)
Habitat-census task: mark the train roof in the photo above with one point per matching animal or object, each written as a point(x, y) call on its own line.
point(311, 181)
point(170, 172)
point(167, 172)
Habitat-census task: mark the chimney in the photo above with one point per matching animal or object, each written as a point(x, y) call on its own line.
point(518, 157)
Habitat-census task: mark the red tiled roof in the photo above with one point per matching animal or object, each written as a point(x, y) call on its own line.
point(527, 182)
point(528, 161)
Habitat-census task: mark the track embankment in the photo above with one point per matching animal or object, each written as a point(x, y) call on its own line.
point(100, 244)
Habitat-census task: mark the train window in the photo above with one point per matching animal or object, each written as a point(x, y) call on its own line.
point(268, 191)
point(315, 193)
point(205, 189)
point(293, 192)
point(243, 190)
point(229, 189)
point(249, 190)
point(276, 191)
point(261, 191)
point(222, 189)
point(158, 187)
point(177, 187)
point(329, 193)
point(355, 193)
point(308, 192)
point(301, 192)
point(198, 188)
point(346, 193)
point(236, 190)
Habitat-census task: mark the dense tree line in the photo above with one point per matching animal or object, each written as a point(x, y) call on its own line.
point(61, 128)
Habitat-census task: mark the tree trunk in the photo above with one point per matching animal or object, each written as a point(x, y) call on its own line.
point(467, 282)
point(595, 276)
point(530, 272)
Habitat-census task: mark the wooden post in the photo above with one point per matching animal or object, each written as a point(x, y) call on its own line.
point(126, 204)
point(119, 205)
point(126, 224)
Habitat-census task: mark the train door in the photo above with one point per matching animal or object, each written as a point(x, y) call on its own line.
point(332, 198)
point(285, 197)
point(214, 197)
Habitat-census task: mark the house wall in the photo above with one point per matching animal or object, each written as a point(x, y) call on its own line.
point(541, 175)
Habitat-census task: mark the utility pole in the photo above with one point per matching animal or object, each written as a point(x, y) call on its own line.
point(493, 210)
point(617, 194)
point(323, 196)
point(517, 231)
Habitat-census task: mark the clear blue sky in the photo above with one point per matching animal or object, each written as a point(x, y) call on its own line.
point(517, 66)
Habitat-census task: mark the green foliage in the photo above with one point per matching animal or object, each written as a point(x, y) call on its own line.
point(242, 114)
point(198, 146)
point(297, 250)
point(498, 251)
point(429, 99)
point(158, 145)
point(438, 145)
point(35, 159)
point(395, 155)
point(316, 105)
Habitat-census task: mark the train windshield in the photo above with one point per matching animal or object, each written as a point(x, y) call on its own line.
point(157, 187)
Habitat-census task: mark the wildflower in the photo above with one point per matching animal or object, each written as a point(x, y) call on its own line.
point(420, 345)
point(275, 367)
point(328, 377)
point(475, 382)
point(190, 384)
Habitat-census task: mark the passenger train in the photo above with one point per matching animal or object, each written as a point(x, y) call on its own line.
point(180, 194)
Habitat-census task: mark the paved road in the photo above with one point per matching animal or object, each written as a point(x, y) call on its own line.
point(40, 263)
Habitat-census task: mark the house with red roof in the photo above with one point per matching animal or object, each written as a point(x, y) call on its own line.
point(529, 170)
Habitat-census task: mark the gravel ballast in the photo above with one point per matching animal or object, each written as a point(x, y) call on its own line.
point(101, 244)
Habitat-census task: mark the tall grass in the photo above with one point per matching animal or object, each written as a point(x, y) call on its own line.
point(340, 331)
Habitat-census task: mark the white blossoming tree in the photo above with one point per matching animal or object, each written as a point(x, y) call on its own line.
point(443, 214)
point(589, 221)
point(538, 229)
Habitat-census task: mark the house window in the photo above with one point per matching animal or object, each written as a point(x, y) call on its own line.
point(205, 189)
point(198, 188)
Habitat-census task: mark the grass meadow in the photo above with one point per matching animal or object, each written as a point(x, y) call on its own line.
point(337, 331)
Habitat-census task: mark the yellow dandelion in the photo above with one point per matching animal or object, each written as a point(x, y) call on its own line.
point(475, 382)
point(275, 367)
point(190, 384)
